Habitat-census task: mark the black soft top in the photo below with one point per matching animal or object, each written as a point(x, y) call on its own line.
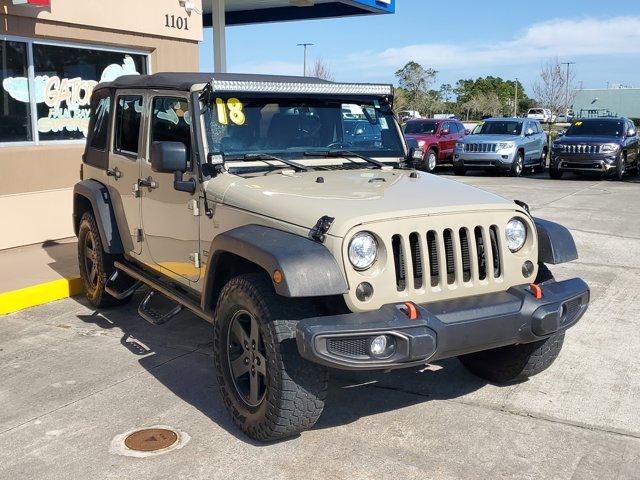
point(184, 81)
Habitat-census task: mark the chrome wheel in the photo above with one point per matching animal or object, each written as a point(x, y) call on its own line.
point(432, 161)
point(246, 357)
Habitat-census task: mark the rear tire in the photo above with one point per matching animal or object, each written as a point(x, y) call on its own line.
point(543, 162)
point(269, 390)
point(96, 265)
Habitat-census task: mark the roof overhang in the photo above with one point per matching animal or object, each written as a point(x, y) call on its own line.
point(243, 12)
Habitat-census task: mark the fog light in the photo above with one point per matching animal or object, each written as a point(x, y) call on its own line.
point(364, 291)
point(378, 346)
point(527, 269)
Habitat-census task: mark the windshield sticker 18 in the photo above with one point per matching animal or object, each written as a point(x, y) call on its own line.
point(231, 110)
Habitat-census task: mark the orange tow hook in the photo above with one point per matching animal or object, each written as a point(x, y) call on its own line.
point(536, 290)
point(412, 311)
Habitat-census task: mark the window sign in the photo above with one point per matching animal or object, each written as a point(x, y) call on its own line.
point(64, 79)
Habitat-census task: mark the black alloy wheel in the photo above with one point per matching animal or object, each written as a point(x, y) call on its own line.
point(246, 358)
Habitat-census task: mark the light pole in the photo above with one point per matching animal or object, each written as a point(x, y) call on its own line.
point(566, 108)
point(305, 45)
point(515, 102)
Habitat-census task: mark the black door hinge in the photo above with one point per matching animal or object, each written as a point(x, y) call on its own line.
point(319, 231)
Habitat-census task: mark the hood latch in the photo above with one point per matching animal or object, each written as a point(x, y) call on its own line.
point(319, 232)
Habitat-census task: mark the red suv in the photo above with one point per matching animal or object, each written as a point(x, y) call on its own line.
point(436, 138)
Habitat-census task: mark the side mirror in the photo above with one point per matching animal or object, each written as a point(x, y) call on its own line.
point(467, 131)
point(632, 132)
point(529, 132)
point(168, 157)
point(444, 132)
point(171, 157)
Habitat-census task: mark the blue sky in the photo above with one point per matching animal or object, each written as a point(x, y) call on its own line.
point(461, 39)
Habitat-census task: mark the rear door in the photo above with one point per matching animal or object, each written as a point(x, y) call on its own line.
point(124, 166)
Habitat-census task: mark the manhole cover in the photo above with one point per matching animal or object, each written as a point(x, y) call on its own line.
point(151, 439)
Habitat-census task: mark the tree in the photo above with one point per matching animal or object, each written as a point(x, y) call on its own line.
point(322, 70)
point(446, 92)
point(551, 88)
point(485, 90)
point(416, 81)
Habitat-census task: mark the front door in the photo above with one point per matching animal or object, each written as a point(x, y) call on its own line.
point(169, 217)
point(124, 166)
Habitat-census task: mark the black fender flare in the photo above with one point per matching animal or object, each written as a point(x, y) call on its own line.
point(308, 267)
point(555, 243)
point(98, 196)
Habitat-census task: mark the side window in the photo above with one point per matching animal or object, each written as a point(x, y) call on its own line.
point(171, 121)
point(128, 118)
point(446, 126)
point(99, 130)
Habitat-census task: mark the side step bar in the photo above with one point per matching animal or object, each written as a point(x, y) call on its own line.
point(161, 287)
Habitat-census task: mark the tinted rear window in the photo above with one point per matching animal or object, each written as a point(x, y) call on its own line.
point(596, 128)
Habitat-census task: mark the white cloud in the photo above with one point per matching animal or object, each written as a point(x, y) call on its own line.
point(563, 38)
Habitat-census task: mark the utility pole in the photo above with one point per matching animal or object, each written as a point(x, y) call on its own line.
point(515, 103)
point(566, 105)
point(305, 45)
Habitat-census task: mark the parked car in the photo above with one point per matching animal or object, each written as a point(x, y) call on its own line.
point(543, 115)
point(565, 117)
point(606, 145)
point(505, 144)
point(436, 138)
point(406, 115)
point(305, 256)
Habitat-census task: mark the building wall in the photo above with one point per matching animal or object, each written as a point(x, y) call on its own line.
point(36, 181)
point(620, 101)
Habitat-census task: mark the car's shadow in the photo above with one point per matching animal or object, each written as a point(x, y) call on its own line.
point(179, 355)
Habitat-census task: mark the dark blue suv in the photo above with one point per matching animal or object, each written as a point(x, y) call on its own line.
point(608, 145)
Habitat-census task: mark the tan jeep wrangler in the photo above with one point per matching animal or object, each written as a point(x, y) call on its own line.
point(285, 212)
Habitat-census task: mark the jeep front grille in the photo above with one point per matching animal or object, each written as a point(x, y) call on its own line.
point(580, 148)
point(440, 258)
point(480, 147)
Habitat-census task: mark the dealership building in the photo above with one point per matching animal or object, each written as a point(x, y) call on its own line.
point(621, 101)
point(53, 54)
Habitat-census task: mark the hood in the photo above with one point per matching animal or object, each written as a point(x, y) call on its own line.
point(581, 140)
point(490, 138)
point(354, 197)
point(422, 136)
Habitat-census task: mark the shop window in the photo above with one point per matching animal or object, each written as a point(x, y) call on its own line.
point(128, 116)
point(15, 114)
point(65, 78)
point(171, 121)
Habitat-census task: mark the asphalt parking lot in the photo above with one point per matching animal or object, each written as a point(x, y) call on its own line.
point(73, 379)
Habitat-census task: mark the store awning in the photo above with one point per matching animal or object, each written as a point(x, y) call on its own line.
point(242, 12)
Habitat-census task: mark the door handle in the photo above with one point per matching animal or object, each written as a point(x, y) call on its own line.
point(114, 173)
point(149, 182)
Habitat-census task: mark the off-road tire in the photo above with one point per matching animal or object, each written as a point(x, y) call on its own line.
point(514, 363)
point(88, 234)
point(517, 167)
point(295, 389)
point(460, 171)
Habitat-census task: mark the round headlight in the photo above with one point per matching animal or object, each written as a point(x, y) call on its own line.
point(363, 250)
point(516, 233)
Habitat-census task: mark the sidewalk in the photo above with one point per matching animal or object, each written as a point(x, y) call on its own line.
point(38, 274)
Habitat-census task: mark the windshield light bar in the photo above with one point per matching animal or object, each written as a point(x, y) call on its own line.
point(299, 87)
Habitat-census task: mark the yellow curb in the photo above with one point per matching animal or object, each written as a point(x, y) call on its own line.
point(17, 300)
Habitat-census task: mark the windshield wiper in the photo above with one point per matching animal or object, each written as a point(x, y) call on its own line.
point(344, 154)
point(247, 157)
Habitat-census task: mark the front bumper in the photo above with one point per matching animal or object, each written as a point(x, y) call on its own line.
point(586, 162)
point(484, 160)
point(443, 329)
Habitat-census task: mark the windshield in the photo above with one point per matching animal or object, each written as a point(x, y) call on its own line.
point(596, 128)
point(500, 127)
point(420, 127)
point(288, 128)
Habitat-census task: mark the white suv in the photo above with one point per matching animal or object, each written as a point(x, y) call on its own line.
point(543, 115)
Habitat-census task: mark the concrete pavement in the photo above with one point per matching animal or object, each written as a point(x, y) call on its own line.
point(73, 379)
